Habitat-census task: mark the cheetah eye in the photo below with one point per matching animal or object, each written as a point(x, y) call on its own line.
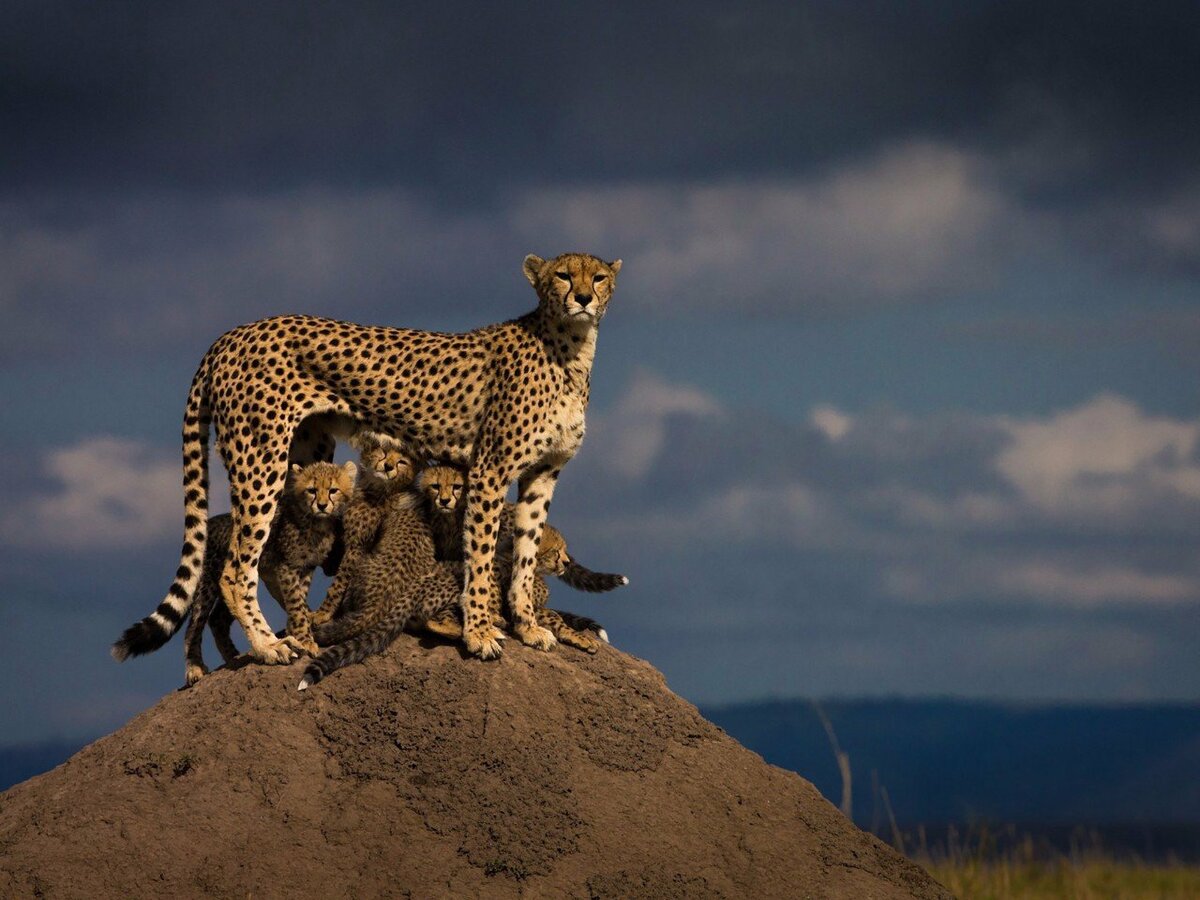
point(596, 279)
point(333, 491)
point(312, 492)
point(565, 276)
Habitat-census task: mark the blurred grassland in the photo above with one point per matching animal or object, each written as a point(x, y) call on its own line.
point(981, 864)
point(1066, 880)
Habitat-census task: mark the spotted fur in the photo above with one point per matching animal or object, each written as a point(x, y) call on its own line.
point(507, 401)
point(436, 485)
point(386, 470)
point(302, 535)
point(441, 488)
point(400, 582)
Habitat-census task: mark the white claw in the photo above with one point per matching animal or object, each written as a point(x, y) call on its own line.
point(603, 635)
point(304, 683)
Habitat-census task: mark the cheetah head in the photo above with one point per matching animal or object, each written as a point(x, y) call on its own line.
point(574, 286)
point(322, 489)
point(552, 556)
point(385, 459)
point(442, 487)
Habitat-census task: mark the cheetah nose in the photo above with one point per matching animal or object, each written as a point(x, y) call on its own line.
point(583, 299)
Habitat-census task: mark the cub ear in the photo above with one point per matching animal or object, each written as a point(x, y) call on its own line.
point(533, 268)
point(615, 266)
point(297, 468)
point(350, 469)
point(363, 441)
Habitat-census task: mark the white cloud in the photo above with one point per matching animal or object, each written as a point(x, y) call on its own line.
point(631, 435)
point(1105, 457)
point(936, 508)
point(1064, 582)
point(831, 422)
point(918, 219)
point(108, 493)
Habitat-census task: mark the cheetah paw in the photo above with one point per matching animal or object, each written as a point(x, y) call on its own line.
point(538, 637)
point(306, 646)
point(484, 646)
point(276, 653)
point(193, 672)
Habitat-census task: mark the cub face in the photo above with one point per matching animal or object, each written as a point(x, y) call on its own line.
point(322, 489)
point(442, 487)
point(388, 464)
point(552, 556)
point(575, 286)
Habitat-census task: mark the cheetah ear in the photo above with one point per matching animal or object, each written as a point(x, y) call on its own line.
point(533, 268)
point(297, 468)
point(363, 441)
point(614, 266)
point(350, 469)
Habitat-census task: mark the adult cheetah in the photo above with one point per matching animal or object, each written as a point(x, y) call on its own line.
point(506, 401)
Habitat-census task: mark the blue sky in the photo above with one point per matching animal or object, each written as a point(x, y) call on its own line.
point(897, 394)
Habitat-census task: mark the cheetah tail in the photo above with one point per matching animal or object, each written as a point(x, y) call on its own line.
point(157, 628)
point(584, 579)
point(583, 623)
point(358, 648)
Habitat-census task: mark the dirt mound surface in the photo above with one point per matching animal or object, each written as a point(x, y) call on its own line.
point(424, 774)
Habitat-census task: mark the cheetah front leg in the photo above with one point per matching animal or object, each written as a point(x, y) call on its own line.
point(360, 528)
point(533, 504)
point(289, 587)
point(485, 497)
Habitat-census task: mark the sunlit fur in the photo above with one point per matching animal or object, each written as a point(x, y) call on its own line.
point(302, 534)
point(387, 469)
point(508, 401)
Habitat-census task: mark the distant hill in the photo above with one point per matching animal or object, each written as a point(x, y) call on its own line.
point(955, 761)
point(421, 773)
point(26, 760)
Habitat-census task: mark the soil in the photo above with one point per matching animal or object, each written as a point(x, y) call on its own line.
point(422, 773)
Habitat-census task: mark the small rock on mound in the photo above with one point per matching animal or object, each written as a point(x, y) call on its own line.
point(421, 773)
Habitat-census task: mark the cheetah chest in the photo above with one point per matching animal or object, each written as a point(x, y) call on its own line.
point(566, 424)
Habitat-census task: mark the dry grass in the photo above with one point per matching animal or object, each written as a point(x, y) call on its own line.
point(1067, 880)
point(977, 866)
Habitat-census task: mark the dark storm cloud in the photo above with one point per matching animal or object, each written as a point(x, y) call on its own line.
point(1078, 99)
point(171, 169)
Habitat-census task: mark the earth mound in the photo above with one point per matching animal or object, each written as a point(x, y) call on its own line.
point(421, 773)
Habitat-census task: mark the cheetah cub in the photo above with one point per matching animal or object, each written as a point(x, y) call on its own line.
point(302, 534)
point(387, 468)
point(399, 583)
point(441, 489)
point(552, 559)
point(404, 587)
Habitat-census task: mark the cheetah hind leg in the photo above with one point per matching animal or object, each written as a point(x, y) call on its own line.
point(549, 618)
point(448, 623)
point(239, 578)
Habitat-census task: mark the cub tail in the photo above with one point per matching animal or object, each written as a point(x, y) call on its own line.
point(584, 579)
point(354, 650)
point(583, 623)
